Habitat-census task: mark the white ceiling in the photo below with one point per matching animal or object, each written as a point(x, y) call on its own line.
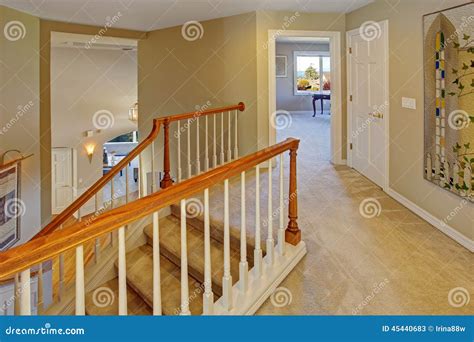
point(147, 15)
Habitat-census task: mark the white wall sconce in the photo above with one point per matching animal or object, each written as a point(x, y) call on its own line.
point(133, 113)
point(90, 151)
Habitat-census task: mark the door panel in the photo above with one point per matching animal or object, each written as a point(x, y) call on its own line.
point(62, 179)
point(368, 111)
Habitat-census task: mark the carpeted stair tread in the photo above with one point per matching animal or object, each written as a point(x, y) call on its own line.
point(140, 278)
point(170, 247)
point(103, 301)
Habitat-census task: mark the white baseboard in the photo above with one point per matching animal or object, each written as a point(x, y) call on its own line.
point(434, 221)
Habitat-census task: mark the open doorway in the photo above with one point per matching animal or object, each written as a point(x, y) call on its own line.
point(93, 100)
point(305, 90)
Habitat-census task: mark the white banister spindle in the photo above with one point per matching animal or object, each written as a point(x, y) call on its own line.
point(214, 143)
point(281, 208)
point(179, 152)
point(222, 139)
point(188, 131)
point(258, 250)
point(229, 137)
point(97, 241)
point(17, 286)
point(206, 151)
point(152, 166)
point(156, 266)
point(184, 263)
point(127, 186)
point(122, 273)
point(141, 178)
point(208, 296)
point(236, 140)
point(80, 287)
point(243, 265)
point(227, 277)
point(112, 193)
point(198, 152)
point(25, 293)
point(270, 241)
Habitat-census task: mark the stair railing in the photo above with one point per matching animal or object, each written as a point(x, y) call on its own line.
point(243, 297)
point(76, 207)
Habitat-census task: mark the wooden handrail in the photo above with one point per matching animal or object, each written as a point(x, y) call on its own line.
point(240, 106)
point(167, 180)
point(48, 246)
point(97, 186)
point(61, 218)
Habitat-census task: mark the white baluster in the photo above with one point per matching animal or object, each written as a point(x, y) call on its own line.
point(152, 166)
point(179, 152)
point(61, 273)
point(188, 130)
point(127, 190)
point(222, 139)
point(198, 152)
point(227, 277)
point(17, 287)
point(258, 250)
point(208, 296)
point(243, 265)
point(281, 229)
point(206, 152)
point(270, 241)
point(25, 293)
point(122, 272)
point(141, 178)
point(156, 266)
point(229, 138)
point(112, 192)
point(184, 263)
point(80, 293)
point(214, 145)
point(97, 241)
point(236, 140)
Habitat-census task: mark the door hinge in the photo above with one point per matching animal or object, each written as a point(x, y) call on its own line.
point(350, 98)
point(350, 146)
point(350, 50)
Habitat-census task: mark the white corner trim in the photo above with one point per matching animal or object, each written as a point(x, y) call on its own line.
point(434, 221)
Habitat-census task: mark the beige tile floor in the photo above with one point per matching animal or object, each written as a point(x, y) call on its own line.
point(394, 263)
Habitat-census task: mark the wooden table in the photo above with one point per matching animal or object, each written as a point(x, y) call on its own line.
point(322, 97)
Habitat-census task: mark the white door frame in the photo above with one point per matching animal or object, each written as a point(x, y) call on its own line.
point(384, 27)
point(336, 85)
point(74, 178)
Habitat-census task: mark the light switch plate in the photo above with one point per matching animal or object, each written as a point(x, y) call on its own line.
point(408, 102)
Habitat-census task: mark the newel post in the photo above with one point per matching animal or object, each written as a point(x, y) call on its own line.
point(166, 181)
point(293, 233)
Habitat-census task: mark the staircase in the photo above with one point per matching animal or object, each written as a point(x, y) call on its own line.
point(211, 246)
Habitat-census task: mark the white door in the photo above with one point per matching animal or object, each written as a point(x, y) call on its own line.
point(62, 178)
point(368, 108)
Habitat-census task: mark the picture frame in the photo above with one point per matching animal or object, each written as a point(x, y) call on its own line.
point(281, 66)
point(11, 207)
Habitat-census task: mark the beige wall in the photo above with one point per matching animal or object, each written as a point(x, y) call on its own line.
point(285, 86)
point(406, 126)
point(20, 110)
point(87, 81)
point(268, 20)
point(176, 75)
